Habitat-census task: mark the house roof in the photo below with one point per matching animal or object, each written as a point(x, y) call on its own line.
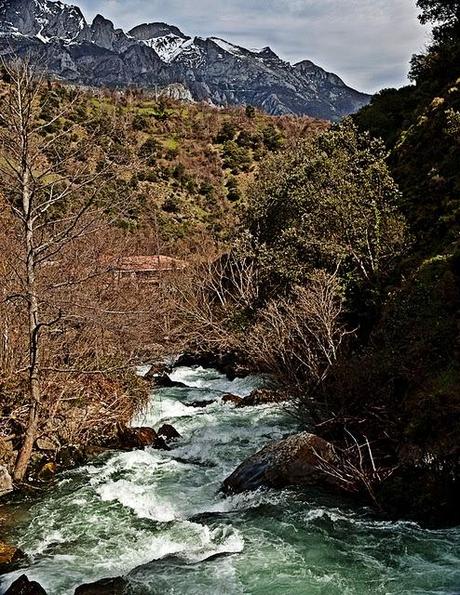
point(146, 264)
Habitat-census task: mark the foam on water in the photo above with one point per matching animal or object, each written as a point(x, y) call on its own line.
point(158, 517)
point(212, 380)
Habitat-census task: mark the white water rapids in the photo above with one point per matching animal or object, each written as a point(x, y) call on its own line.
point(157, 518)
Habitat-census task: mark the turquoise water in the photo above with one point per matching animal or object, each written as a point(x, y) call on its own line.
point(157, 517)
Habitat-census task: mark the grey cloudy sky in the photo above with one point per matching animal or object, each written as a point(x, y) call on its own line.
point(366, 42)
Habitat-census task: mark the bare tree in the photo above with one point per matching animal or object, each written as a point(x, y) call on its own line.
point(211, 296)
point(299, 339)
point(52, 194)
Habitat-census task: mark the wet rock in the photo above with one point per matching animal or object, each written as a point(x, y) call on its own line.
point(47, 472)
point(70, 456)
point(22, 586)
point(226, 363)
point(7, 454)
point(264, 396)
point(6, 483)
point(200, 404)
point(134, 438)
point(297, 460)
point(10, 558)
point(164, 381)
point(190, 359)
point(106, 586)
point(168, 432)
point(157, 370)
point(94, 451)
point(232, 399)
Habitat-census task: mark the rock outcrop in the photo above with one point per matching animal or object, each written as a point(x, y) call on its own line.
point(260, 396)
point(232, 400)
point(299, 460)
point(160, 56)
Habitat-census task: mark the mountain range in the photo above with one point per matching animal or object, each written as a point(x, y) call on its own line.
point(161, 56)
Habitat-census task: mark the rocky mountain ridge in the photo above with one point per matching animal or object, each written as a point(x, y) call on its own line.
point(156, 55)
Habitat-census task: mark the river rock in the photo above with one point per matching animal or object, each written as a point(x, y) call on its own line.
point(140, 438)
point(10, 557)
point(7, 454)
point(157, 370)
point(6, 483)
point(293, 461)
point(227, 363)
point(164, 381)
point(106, 586)
point(22, 586)
point(168, 432)
point(233, 400)
point(263, 396)
point(70, 456)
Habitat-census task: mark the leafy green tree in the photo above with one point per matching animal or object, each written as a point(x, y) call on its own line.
point(453, 124)
point(387, 113)
point(441, 63)
point(250, 140)
point(444, 13)
point(329, 204)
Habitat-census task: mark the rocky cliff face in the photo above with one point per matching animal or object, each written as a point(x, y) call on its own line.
point(159, 55)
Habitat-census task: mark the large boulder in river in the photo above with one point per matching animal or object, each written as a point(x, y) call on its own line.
point(156, 370)
point(22, 586)
point(260, 396)
point(106, 586)
point(139, 438)
point(165, 381)
point(168, 432)
point(302, 460)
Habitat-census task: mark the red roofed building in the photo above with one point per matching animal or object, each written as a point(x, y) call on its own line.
point(146, 268)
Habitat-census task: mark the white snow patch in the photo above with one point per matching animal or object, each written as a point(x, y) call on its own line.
point(168, 46)
point(228, 47)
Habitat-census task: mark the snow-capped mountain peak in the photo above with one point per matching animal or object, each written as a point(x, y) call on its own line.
point(158, 54)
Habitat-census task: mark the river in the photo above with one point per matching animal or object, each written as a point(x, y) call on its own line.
point(158, 518)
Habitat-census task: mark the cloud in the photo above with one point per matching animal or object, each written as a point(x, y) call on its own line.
point(366, 42)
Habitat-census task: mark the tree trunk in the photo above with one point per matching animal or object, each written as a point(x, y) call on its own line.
point(34, 327)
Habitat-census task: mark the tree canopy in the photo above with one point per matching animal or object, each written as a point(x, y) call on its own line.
point(330, 203)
